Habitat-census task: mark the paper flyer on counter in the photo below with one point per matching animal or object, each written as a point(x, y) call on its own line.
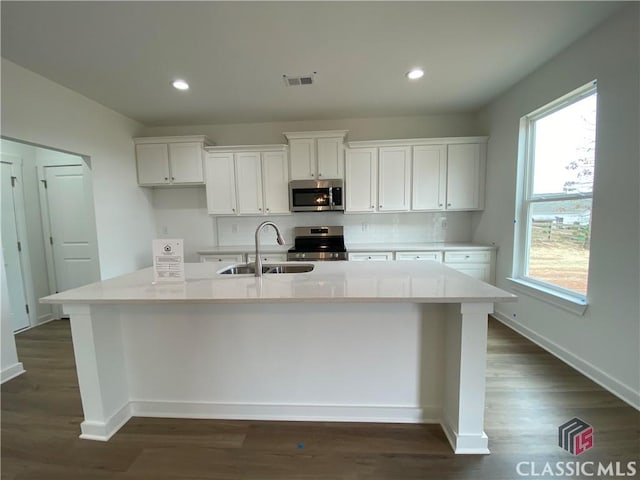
point(168, 260)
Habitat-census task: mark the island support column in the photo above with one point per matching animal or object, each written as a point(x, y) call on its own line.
point(464, 391)
point(98, 350)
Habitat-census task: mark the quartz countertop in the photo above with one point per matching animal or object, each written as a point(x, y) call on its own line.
point(415, 246)
point(332, 282)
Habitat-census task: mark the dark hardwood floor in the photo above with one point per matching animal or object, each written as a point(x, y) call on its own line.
point(529, 393)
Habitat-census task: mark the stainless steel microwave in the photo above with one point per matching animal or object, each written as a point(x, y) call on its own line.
point(316, 196)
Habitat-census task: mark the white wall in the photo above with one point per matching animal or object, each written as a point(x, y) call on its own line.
point(41, 112)
point(604, 343)
point(454, 125)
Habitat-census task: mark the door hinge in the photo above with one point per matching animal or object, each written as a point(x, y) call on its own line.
point(13, 181)
point(27, 308)
point(19, 246)
point(51, 240)
point(44, 183)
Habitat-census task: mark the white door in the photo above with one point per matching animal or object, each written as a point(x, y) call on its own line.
point(429, 177)
point(393, 177)
point(302, 155)
point(249, 182)
point(463, 177)
point(220, 184)
point(186, 162)
point(330, 158)
point(275, 182)
point(71, 227)
point(11, 250)
point(361, 179)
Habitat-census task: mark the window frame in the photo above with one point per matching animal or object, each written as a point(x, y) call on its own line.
point(571, 300)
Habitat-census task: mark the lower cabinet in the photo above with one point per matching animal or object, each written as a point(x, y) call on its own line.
point(476, 264)
point(268, 257)
point(370, 256)
point(434, 256)
point(232, 257)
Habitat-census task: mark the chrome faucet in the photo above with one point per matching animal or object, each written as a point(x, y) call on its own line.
point(258, 266)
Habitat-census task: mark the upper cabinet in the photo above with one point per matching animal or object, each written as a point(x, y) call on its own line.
point(316, 155)
point(247, 180)
point(416, 175)
point(170, 160)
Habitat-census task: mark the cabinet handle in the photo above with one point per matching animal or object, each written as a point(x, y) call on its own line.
point(439, 204)
point(166, 178)
point(268, 210)
point(259, 209)
point(373, 206)
point(311, 174)
point(448, 204)
point(233, 209)
point(319, 174)
point(173, 178)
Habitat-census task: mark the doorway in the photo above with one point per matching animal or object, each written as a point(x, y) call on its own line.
point(53, 202)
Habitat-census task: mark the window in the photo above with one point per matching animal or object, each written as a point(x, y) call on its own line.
point(553, 218)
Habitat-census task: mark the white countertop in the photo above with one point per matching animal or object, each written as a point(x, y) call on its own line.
point(244, 249)
point(415, 247)
point(333, 282)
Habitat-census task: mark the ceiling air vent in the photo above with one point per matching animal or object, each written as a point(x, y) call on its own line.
point(298, 80)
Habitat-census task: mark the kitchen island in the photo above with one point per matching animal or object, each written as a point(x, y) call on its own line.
point(348, 341)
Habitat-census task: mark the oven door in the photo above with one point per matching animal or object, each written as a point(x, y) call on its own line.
point(310, 199)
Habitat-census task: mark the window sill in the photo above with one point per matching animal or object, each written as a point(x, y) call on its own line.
point(572, 304)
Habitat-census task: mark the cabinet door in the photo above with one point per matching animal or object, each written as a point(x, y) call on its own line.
point(275, 184)
point(152, 160)
point(464, 177)
point(220, 184)
point(419, 256)
point(268, 257)
point(302, 156)
point(393, 179)
point(429, 178)
point(249, 183)
point(330, 158)
point(226, 257)
point(185, 160)
point(361, 179)
point(480, 271)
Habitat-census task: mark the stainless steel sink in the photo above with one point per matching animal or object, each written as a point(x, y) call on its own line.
point(267, 268)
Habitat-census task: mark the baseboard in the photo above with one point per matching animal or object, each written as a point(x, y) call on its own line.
point(103, 431)
point(620, 390)
point(466, 444)
point(11, 372)
point(314, 413)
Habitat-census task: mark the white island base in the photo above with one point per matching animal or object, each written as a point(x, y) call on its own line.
point(417, 363)
point(413, 355)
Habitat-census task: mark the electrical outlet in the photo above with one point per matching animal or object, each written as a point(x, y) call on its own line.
point(165, 230)
point(443, 223)
point(365, 226)
point(234, 228)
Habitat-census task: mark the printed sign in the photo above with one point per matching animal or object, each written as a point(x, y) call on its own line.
point(168, 260)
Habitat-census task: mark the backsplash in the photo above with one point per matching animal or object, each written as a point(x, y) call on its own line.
point(358, 228)
point(182, 213)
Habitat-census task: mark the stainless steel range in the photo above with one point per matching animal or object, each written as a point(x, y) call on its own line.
point(318, 244)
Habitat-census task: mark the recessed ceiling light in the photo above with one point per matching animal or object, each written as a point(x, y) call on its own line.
point(415, 73)
point(180, 84)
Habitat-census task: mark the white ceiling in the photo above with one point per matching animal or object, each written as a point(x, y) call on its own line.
point(125, 54)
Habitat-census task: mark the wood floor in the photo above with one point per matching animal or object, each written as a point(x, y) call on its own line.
point(529, 393)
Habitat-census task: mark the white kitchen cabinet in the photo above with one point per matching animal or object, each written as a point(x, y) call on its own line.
point(419, 256)
point(220, 182)
point(275, 182)
point(394, 179)
point(361, 184)
point(370, 256)
point(476, 264)
point(249, 183)
point(429, 178)
point(316, 155)
point(422, 174)
point(250, 180)
point(465, 176)
point(225, 257)
point(170, 160)
point(268, 257)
